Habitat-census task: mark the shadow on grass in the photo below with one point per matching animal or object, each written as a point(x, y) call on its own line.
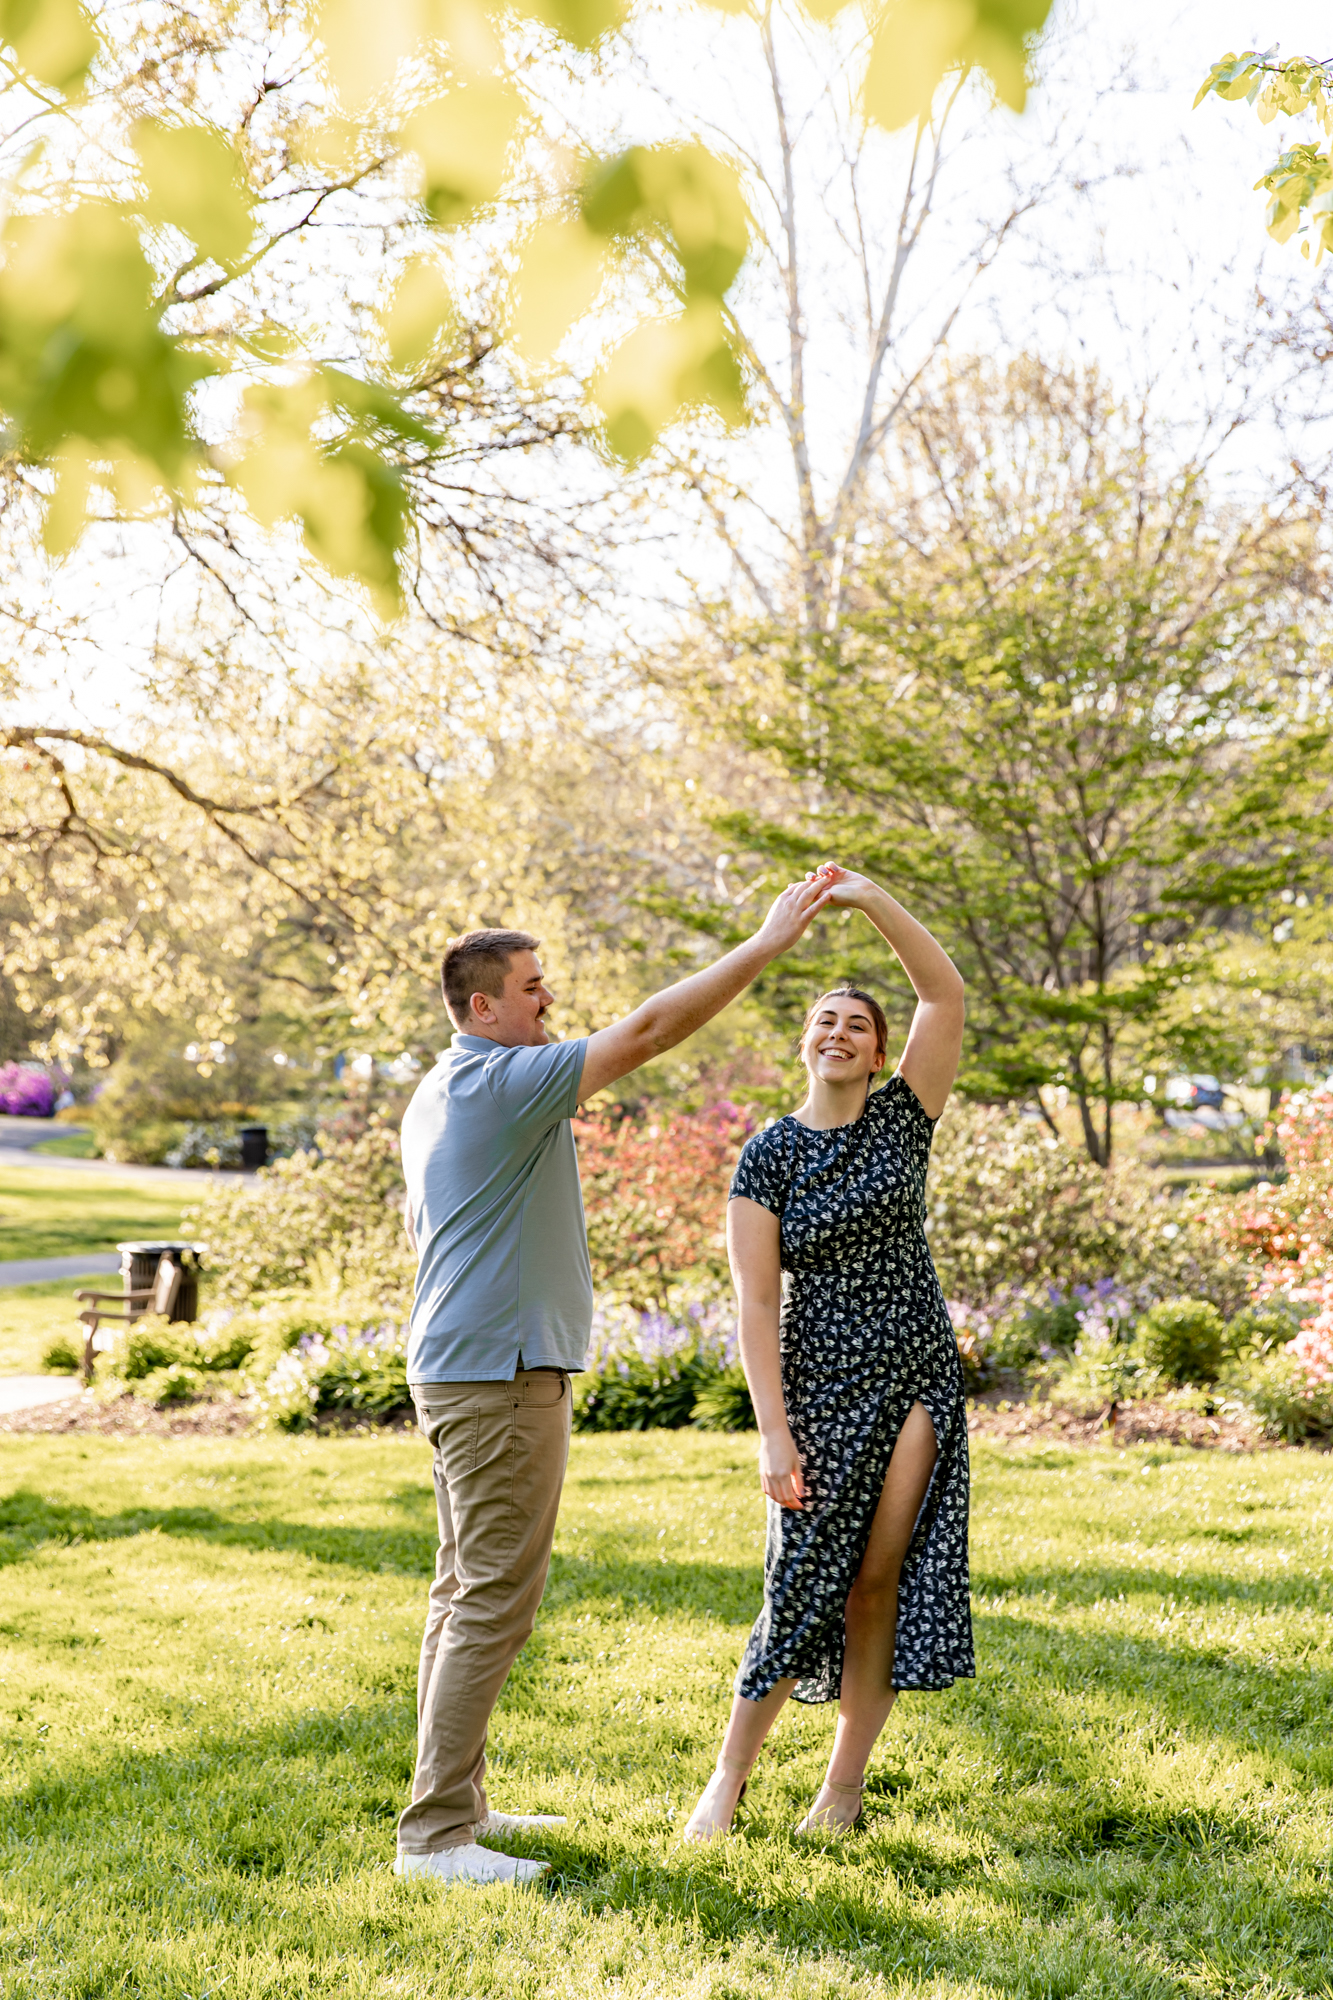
point(620, 1577)
point(28, 1522)
point(1194, 1685)
point(257, 1800)
point(624, 1565)
point(312, 1797)
point(1090, 1583)
point(1050, 1927)
point(1176, 1688)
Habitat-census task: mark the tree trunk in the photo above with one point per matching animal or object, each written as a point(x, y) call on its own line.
point(1091, 1137)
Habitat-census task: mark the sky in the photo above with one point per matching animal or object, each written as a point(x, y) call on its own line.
point(1143, 254)
point(1145, 250)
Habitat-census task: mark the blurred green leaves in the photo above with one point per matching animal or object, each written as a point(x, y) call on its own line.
point(664, 367)
point(682, 196)
point(323, 451)
point(88, 377)
point(1299, 184)
point(683, 208)
point(917, 42)
point(52, 40)
point(462, 142)
point(195, 181)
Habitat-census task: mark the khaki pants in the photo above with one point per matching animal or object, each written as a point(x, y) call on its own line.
point(500, 1454)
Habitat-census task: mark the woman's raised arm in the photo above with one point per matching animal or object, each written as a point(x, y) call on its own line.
point(935, 1040)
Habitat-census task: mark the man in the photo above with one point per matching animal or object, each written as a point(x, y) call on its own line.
point(501, 1317)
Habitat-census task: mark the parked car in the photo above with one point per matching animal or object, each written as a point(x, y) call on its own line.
point(1194, 1101)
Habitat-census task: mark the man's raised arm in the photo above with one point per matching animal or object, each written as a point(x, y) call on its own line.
point(675, 1013)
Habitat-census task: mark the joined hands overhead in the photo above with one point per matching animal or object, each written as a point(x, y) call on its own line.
point(793, 910)
point(842, 886)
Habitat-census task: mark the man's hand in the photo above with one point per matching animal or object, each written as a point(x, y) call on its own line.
point(791, 912)
point(669, 1017)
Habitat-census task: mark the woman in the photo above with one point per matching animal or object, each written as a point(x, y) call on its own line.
point(855, 1381)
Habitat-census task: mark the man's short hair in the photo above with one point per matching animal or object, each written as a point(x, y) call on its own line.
point(477, 963)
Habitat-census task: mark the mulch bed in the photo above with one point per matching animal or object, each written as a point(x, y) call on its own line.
point(1130, 1423)
point(229, 1416)
point(81, 1415)
point(1014, 1423)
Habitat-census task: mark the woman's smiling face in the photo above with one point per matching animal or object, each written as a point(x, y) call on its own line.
point(840, 1045)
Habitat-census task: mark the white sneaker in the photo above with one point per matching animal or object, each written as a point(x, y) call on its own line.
point(498, 1822)
point(469, 1864)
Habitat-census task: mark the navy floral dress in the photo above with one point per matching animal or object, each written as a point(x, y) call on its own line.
point(865, 1333)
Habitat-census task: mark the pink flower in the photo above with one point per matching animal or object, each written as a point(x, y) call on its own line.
point(1313, 1348)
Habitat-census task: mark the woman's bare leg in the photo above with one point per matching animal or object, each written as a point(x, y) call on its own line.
point(749, 1724)
point(872, 1622)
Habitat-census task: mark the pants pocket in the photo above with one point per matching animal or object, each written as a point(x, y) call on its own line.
point(545, 1388)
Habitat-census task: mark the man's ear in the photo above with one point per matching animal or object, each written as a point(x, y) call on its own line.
point(483, 1007)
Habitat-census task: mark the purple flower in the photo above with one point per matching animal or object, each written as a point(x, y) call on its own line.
point(26, 1093)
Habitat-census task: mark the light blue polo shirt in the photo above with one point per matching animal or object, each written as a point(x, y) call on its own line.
point(493, 1179)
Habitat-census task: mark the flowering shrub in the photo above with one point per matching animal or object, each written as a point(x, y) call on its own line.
point(1286, 1231)
point(974, 1331)
point(1313, 1349)
point(347, 1368)
point(1104, 1362)
point(26, 1093)
point(1010, 1208)
point(655, 1196)
point(168, 1361)
point(1291, 1223)
point(145, 1345)
point(646, 1370)
point(1008, 1204)
point(1291, 1401)
point(1104, 1314)
point(335, 1216)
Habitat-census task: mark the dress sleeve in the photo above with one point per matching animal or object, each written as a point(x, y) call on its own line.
point(899, 1093)
point(761, 1172)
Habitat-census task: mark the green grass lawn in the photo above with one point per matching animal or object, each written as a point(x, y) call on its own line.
point(54, 1213)
point(32, 1315)
point(207, 1707)
point(73, 1146)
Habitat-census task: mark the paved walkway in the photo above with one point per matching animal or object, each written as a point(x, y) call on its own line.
point(27, 1392)
point(27, 1132)
point(38, 1270)
point(192, 1177)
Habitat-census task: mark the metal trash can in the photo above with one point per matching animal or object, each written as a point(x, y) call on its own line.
point(138, 1268)
point(254, 1147)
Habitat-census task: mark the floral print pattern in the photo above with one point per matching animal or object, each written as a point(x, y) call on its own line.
point(865, 1333)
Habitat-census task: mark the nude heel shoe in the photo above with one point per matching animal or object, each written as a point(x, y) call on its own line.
point(699, 1828)
point(821, 1820)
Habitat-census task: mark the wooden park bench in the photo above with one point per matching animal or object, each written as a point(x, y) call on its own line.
point(160, 1297)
